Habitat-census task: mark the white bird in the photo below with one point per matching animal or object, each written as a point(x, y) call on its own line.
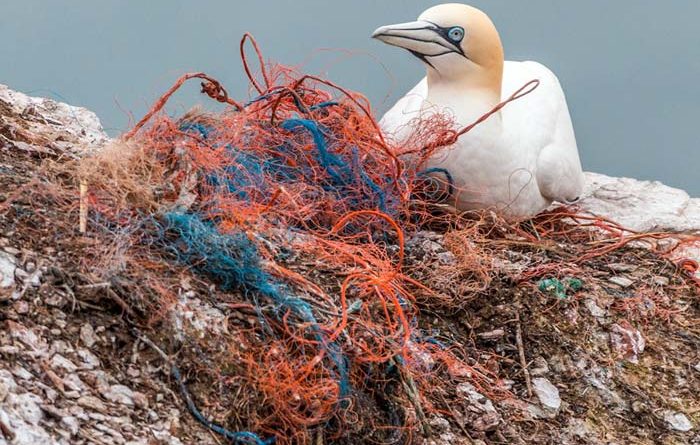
point(519, 160)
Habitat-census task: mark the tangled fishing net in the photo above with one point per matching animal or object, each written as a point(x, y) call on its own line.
point(291, 212)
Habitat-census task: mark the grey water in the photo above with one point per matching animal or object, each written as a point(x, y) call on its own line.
point(630, 69)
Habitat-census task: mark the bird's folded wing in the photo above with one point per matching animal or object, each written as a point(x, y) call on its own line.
point(544, 121)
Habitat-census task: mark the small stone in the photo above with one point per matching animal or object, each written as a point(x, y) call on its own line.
point(71, 424)
point(92, 403)
point(622, 267)
point(97, 416)
point(578, 428)
point(627, 341)
point(487, 422)
point(23, 334)
point(60, 362)
point(439, 424)
point(621, 281)
point(547, 393)
point(87, 335)
point(112, 432)
point(7, 384)
point(7, 270)
point(677, 421)
point(52, 411)
point(73, 383)
point(60, 347)
point(78, 412)
point(12, 251)
point(488, 418)
point(493, 335)
point(120, 394)
point(21, 307)
point(98, 380)
point(140, 400)
point(21, 373)
point(593, 308)
point(90, 361)
point(71, 394)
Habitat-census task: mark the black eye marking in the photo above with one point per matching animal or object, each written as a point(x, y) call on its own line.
point(454, 35)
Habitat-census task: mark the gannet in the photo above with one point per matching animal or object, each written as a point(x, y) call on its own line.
point(522, 158)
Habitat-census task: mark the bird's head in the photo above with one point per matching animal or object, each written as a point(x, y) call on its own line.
point(453, 40)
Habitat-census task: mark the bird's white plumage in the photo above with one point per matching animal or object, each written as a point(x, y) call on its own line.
point(520, 159)
point(532, 161)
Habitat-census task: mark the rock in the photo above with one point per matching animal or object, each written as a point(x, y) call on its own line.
point(50, 123)
point(487, 422)
point(439, 424)
point(594, 309)
point(25, 335)
point(119, 394)
point(116, 435)
point(191, 315)
point(547, 393)
point(59, 362)
point(73, 383)
point(677, 421)
point(609, 397)
point(7, 270)
point(7, 384)
point(87, 335)
point(622, 267)
point(140, 400)
point(627, 341)
point(21, 307)
point(643, 206)
point(90, 361)
point(71, 424)
point(92, 403)
point(486, 418)
point(492, 335)
point(621, 281)
point(19, 431)
point(478, 401)
point(22, 373)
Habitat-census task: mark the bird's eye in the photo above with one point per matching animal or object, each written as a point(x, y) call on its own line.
point(456, 34)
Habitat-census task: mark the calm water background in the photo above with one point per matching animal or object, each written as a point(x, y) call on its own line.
point(631, 69)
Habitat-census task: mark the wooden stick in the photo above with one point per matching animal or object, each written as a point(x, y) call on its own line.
point(83, 206)
point(521, 352)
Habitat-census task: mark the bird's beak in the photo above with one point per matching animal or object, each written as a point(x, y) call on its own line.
point(421, 38)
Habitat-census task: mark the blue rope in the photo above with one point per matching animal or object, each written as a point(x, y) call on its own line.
point(233, 261)
point(448, 176)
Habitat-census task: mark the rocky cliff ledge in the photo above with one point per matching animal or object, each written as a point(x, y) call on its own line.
point(617, 363)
